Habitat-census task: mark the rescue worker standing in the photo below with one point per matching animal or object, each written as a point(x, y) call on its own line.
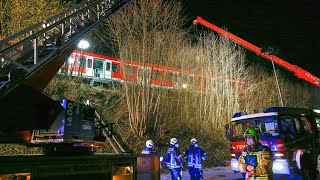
point(256, 159)
point(149, 148)
point(174, 159)
point(195, 155)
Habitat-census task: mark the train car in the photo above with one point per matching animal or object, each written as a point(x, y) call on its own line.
point(101, 69)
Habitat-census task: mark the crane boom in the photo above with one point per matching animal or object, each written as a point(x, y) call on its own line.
point(299, 72)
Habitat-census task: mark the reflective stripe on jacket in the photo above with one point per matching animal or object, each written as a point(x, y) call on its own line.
point(173, 159)
point(195, 155)
point(260, 158)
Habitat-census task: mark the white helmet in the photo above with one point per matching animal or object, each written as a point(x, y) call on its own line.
point(174, 141)
point(150, 144)
point(193, 141)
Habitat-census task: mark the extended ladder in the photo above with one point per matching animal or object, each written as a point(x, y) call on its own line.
point(106, 130)
point(34, 55)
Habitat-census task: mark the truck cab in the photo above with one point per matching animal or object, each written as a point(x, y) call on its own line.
point(291, 133)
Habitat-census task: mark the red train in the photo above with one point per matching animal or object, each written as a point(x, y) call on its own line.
point(103, 69)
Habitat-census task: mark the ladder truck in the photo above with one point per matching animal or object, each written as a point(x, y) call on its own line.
point(28, 61)
point(291, 133)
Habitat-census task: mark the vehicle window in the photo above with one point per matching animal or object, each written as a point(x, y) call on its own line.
point(237, 130)
point(115, 68)
point(318, 123)
point(297, 124)
point(287, 128)
point(130, 71)
point(260, 126)
point(306, 124)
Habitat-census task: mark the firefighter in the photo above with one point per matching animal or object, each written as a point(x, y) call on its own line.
point(195, 155)
point(174, 159)
point(256, 159)
point(149, 148)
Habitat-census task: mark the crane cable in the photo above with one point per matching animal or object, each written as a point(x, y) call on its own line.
point(278, 87)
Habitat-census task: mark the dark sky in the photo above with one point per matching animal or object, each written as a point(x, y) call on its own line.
point(291, 26)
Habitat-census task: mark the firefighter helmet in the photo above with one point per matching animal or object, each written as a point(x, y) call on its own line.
point(252, 132)
point(174, 141)
point(150, 144)
point(193, 141)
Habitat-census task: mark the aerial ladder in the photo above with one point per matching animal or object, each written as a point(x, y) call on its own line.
point(298, 71)
point(31, 58)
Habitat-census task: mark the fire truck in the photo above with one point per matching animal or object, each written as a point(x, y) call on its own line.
point(291, 133)
point(66, 129)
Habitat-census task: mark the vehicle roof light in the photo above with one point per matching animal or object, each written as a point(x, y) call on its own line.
point(238, 114)
point(275, 109)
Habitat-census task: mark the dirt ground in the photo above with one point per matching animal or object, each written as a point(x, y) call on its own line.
point(216, 173)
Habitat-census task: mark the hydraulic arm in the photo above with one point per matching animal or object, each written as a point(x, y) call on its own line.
point(299, 72)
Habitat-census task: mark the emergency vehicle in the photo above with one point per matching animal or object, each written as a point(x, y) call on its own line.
point(291, 133)
point(25, 70)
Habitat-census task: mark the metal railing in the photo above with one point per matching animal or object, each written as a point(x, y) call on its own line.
point(24, 53)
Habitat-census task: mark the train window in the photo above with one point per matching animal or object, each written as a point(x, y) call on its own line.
point(130, 71)
point(115, 68)
point(71, 60)
point(89, 64)
point(97, 64)
point(108, 66)
point(198, 80)
point(191, 79)
point(144, 73)
point(156, 75)
point(169, 76)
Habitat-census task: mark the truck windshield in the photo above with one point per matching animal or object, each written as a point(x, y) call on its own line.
point(266, 126)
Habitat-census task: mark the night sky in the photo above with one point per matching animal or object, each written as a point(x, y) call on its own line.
point(292, 27)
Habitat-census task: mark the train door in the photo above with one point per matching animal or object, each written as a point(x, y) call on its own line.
point(107, 69)
point(97, 68)
point(89, 71)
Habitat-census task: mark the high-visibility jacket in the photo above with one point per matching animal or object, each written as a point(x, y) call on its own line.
point(147, 150)
point(260, 157)
point(195, 155)
point(173, 158)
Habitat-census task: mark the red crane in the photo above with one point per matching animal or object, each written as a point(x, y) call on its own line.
point(298, 71)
